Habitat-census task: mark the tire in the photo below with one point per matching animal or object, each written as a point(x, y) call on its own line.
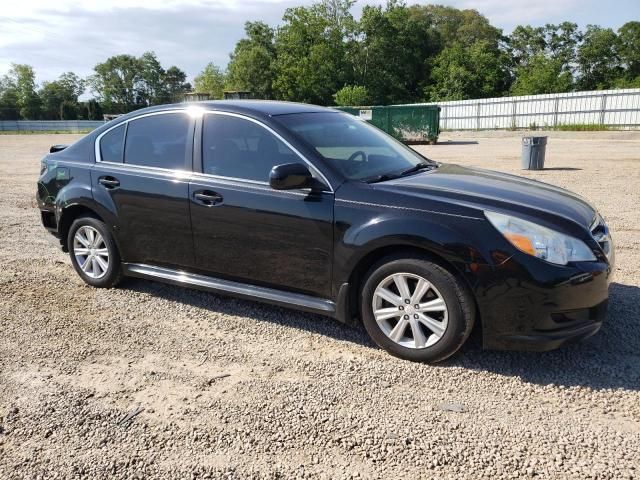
point(104, 252)
point(446, 303)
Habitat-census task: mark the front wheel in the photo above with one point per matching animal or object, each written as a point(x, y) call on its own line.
point(93, 252)
point(415, 309)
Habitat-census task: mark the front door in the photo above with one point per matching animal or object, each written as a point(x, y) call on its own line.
point(242, 228)
point(144, 178)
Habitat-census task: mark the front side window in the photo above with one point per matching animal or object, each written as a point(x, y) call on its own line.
point(355, 148)
point(239, 148)
point(161, 141)
point(112, 145)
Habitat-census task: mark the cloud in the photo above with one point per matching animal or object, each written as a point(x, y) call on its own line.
point(508, 13)
point(187, 35)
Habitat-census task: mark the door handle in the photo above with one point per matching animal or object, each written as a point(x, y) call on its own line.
point(208, 198)
point(109, 182)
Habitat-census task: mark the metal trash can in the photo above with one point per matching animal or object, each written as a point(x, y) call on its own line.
point(533, 152)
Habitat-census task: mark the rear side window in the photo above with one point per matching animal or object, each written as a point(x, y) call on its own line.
point(112, 145)
point(161, 141)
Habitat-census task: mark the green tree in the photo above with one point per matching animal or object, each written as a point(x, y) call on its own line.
point(8, 99)
point(252, 64)
point(311, 52)
point(151, 86)
point(629, 51)
point(175, 84)
point(211, 80)
point(562, 42)
point(124, 83)
point(551, 49)
point(60, 97)
point(598, 61)
point(541, 75)
point(90, 110)
point(460, 73)
point(352, 95)
point(117, 83)
point(525, 43)
point(392, 74)
point(20, 92)
point(452, 25)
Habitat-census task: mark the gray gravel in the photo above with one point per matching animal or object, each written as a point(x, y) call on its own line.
point(235, 389)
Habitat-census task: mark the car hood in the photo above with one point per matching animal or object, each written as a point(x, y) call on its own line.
point(486, 189)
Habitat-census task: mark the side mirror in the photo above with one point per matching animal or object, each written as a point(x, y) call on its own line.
point(290, 176)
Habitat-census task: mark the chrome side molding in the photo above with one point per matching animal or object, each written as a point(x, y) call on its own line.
point(218, 285)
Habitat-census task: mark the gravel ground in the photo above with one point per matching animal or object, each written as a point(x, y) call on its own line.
point(236, 389)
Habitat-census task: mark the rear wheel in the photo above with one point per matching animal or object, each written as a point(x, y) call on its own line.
point(93, 253)
point(415, 309)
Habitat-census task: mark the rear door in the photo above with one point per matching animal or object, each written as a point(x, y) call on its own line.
point(142, 174)
point(245, 230)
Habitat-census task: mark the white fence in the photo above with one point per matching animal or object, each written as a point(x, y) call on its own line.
point(70, 126)
point(610, 108)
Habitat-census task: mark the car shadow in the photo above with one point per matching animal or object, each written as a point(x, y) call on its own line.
point(561, 169)
point(608, 360)
point(457, 142)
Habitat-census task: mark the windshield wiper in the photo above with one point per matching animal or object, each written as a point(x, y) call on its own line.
point(391, 176)
point(418, 167)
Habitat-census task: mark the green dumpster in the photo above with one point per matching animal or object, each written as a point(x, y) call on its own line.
point(407, 123)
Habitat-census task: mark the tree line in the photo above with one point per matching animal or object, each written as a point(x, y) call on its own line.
point(120, 84)
point(321, 54)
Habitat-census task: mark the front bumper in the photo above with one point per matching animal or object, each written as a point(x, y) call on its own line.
point(540, 340)
point(526, 304)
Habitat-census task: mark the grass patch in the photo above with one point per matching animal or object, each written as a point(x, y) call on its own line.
point(581, 127)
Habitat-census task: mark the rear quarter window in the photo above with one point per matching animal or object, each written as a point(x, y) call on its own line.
point(112, 145)
point(161, 141)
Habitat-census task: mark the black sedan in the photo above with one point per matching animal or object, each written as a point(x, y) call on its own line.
point(314, 209)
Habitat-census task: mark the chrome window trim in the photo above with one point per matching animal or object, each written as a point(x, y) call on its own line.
point(252, 184)
point(174, 173)
point(275, 134)
point(206, 176)
point(126, 125)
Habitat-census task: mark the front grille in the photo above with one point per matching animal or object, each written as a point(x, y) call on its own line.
point(601, 234)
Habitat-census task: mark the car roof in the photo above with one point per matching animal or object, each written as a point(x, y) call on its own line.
point(255, 107)
point(265, 107)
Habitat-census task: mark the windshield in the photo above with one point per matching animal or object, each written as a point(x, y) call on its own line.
point(357, 149)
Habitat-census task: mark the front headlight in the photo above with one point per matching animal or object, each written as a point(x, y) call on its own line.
point(539, 241)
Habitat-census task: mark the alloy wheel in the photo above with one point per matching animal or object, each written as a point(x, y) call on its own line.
point(410, 310)
point(91, 252)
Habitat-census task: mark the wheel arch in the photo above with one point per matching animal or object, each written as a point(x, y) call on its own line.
point(368, 260)
point(70, 213)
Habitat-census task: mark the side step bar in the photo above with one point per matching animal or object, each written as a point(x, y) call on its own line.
point(243, 290)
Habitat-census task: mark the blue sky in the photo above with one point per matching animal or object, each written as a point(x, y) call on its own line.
point(66, 35)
